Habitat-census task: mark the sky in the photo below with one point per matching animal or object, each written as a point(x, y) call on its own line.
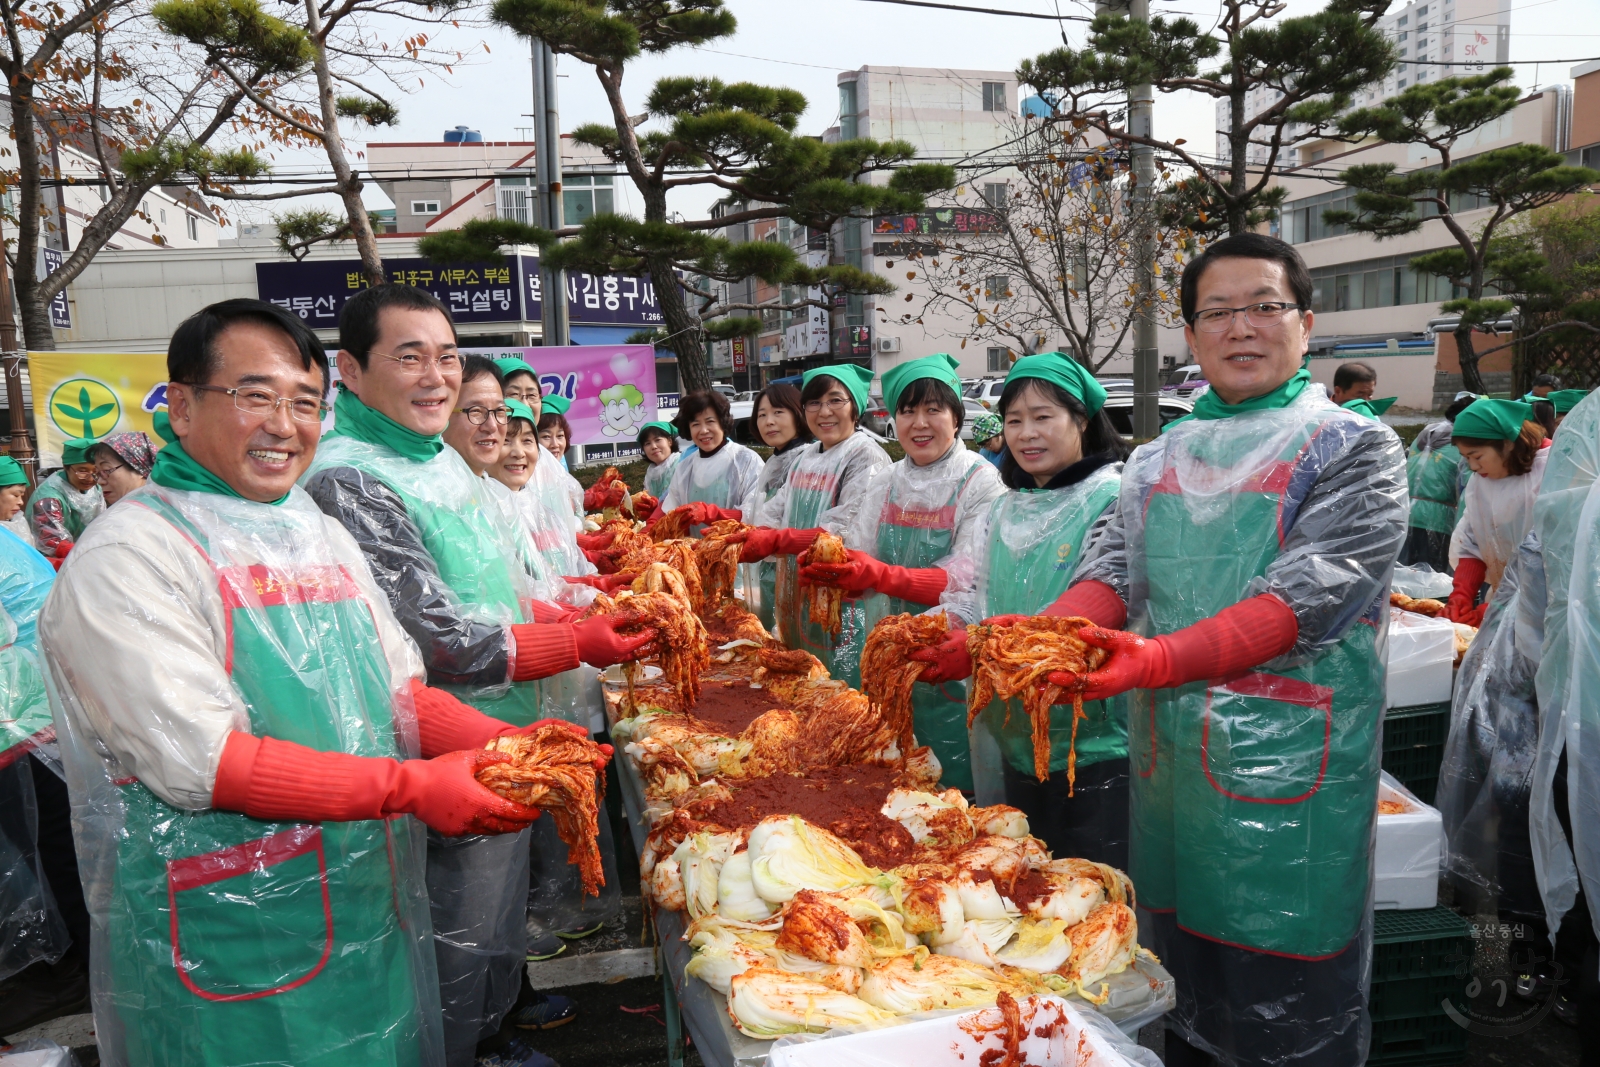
point(806, 45)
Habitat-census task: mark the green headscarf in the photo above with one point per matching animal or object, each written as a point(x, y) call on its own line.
point(77, 450)
point(1566, 399)
point(555, 403)
point(11, 472)
point(941, 367)
point(1062, 370)
point(519, 410)
point(352, 418)
point(1212, 406)
point(855, 379)
point(664, 427)
point(1370, 408)
point(176, 469)
point(1493, 420)
point(510, 365)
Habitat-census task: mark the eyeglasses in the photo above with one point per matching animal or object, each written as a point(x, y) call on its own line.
point(255, 400)
point(832, 403)
point(1262, 316)
point(412, 364)
point(478, 416)
point(102, 474)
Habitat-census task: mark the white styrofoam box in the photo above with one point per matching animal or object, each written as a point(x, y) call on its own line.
point(1406, 863)
point(1421, 659)
point(960, 1041)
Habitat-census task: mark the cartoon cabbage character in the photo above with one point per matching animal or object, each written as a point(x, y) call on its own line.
point(621, 410)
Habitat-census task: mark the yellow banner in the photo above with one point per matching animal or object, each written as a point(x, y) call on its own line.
point(92, 394)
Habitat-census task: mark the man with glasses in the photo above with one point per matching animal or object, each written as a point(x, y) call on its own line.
point(244, 725)
point(452, 572)
point(1250, 552)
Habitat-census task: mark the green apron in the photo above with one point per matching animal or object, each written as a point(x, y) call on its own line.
point(235, 940)
point(467, 534)
point(1036, 538)
point(78, 507)
point(914, 538)
point(1253, 800)
point(1433, 475)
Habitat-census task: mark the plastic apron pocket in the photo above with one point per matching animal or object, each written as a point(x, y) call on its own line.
point(243, 924)
point(1265, 739)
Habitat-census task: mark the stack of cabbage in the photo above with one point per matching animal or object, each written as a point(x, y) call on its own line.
point(801, 935)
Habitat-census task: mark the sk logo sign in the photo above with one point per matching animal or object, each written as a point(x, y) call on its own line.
point(83, 407)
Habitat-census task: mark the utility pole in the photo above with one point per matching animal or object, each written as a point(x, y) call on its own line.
point(1146, 357)
point(547, 188)
point(21, 446)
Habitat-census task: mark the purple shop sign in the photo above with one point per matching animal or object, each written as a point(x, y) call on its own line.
point(612, 387)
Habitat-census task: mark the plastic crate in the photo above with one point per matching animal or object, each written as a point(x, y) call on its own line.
point(1429, 943)
point(1430, 1041)
point(1413, 746)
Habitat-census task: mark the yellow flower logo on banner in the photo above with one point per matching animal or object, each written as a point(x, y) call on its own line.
point(83, 407)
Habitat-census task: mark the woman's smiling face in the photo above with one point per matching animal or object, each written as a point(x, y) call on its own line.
point(1044, 436)
point(517, 460)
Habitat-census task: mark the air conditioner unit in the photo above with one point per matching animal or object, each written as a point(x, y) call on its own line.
point(888, 345)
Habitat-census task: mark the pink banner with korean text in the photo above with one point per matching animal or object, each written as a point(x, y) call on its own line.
point(612, 389)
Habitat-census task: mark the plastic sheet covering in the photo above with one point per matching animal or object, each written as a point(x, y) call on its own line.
point(555, 896)
point(1487, 770)
point(1253, 801)
point(19, 525)
point(480, 585)
point(24, 707)
point(477, 887)
point(552, 481)
point(1433, 469)
point(725, 478)
point(938, 1038)
point(1496, 514)
point(31, 928)
point(764, 579)
point(59, 512)
point(25, 581)
point(1560, 517)
point(1421, 582)
point(658, 476)
point(36, 1054)
point(178, 618)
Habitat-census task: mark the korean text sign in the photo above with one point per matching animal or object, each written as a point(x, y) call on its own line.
point(91, 394)
point(612, 387)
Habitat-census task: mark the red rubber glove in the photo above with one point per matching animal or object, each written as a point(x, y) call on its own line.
point(62, 549)
point(596, 541)
point(1092, 600)
point(606, 583)
point(278, 781)
point(920, 585)
point(599, 644)
point(763, 541)
point(646, 509)
point(1233, 640)
point(950, 659)
point(701, 513)
point(1469, 577)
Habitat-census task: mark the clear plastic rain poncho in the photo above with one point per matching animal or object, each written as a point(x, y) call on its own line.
point(31, 928)
point(556, 486)
point(774, 472)
point(60, 513)
point(1496, 514)
point(1566, 520)
point(1254, 801)
point(179, 618)
point(658, 476)
point(1487, 770)
point(724, 478)
point(930, 516)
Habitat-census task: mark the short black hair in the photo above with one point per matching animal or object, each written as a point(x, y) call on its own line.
point(787, 397)
point(1458, 406)
point(1099, 436)
point(476, 366)
point(818, 387)
point(555, 420)
point(1349, 374)
point(1551, 380)
point(932, 391)
point(358, 322)
point(192, 354)
point(691, 406)
point(649, 431)
point(1544, 413)
point(1246, 246)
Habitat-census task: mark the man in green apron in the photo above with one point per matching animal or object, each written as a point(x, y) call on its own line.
point(1252, 546)
point(452, 572)
point(241, 715)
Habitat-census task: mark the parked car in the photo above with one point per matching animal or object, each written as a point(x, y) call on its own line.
point(876, 417)
point(1119, 409)
point(987, 393)
point(973, 410)
point(1186, 382)
point(1117, 385)
point(725, 389)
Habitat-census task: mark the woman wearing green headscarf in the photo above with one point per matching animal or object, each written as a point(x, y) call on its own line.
point(1063, 466)
point(13, 494)
point(918, 520)
point(1505, 448)
point(825, 484)
point(67, 501)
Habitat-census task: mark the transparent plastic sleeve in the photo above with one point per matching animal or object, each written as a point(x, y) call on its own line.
point(180, 617)
point(1421, 582)
point(25, 581)
point(1580, 710)
point(59, 513)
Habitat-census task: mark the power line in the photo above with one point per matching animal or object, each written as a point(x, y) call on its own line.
point(986, 10)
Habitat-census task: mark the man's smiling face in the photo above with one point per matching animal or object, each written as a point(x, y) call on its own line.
point(405, 377)
point(1246, 361)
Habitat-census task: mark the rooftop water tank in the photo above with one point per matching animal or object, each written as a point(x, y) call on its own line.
point(462, 135)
